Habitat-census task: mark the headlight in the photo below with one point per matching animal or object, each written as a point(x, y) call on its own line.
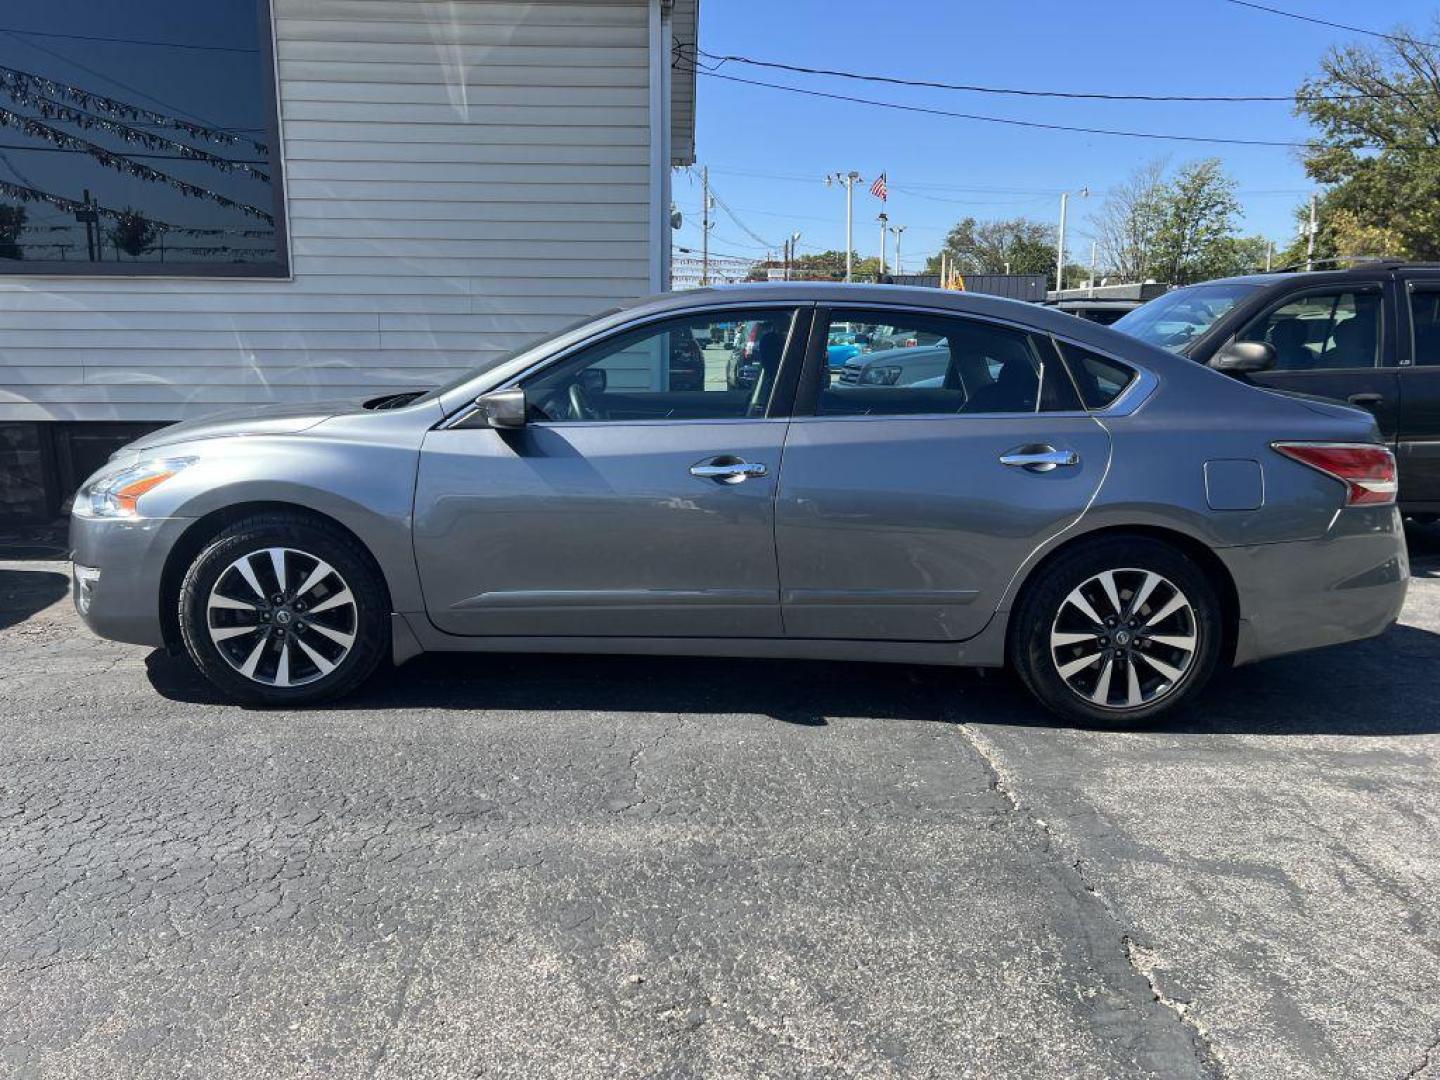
point(115, 493)
point(881, 375)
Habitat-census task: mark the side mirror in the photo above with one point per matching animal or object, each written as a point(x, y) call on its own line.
point(504, 409)
point(1244, 356)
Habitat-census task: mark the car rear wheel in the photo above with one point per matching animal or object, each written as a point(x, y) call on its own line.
point(1117, 632)
point(284, 610)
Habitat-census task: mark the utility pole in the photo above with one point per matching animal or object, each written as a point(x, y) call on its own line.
point(1094, 253)
point(790, 243)
point(1060, 244)
point(704, 225)
point(849, 180)
point(91, 220)
point(1269, 255)
point(1310, 243)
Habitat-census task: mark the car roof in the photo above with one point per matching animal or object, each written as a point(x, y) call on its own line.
point(1332, 273)
point(840, 294)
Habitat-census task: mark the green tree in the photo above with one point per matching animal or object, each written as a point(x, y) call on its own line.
point(133, 233)
point(821, 266)
point(12, 224)
point(1014, 245)
point(1128, 223)
point(1197, 225)
point(1376, 111)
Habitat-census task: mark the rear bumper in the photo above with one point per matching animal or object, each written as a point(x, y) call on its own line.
point(1348, 585)
point(122, 600)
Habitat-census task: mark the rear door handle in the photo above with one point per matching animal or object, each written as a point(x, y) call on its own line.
point(1039, 458)
point(728, 470)
point(1366, 401)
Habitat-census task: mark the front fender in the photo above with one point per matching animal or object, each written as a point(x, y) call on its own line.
point(368, 486)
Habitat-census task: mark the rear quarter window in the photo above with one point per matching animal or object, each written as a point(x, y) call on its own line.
point(1099, 379)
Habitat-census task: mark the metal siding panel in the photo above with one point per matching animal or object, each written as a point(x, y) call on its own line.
point(461, 177)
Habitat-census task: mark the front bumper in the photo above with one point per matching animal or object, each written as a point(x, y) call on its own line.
point(1348, 585)
point(117, 593)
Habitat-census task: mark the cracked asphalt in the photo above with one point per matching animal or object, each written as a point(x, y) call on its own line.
point(572, 867)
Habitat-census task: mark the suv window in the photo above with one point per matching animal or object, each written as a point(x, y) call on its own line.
point(713, 366)
point(1323, 330)
point(1425, 324)
point(913, 364)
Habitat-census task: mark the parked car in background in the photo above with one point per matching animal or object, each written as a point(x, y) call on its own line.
point(841, 346)
point(1111, 520)
point(1368, 335)
point(895, 367)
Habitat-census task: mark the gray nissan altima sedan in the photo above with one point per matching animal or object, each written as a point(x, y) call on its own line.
point(1110, 520)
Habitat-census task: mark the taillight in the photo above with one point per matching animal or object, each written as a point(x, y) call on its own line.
point(1366, 470)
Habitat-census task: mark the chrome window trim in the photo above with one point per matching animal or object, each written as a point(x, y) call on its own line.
point(624, 328)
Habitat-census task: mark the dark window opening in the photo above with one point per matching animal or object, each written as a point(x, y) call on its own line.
point(140, 139)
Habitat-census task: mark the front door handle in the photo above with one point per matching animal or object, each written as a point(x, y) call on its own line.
point(1039, 458)
point(728, 470)
point(1366, 401)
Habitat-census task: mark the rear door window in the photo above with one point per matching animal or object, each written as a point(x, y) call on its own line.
point(1425, 325)
point(906, 364)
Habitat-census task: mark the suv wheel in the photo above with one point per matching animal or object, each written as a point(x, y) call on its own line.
point(284, 610)
point(1117, 631)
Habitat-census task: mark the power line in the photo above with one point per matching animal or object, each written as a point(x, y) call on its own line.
point(123, 85)
point(1071, 95)
point(998, 90)
point(125, 41)
point(1399, 38)
point(743, 227)
point(129, 154)
point(1162, 136)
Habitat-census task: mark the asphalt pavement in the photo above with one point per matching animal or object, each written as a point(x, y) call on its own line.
point(602, 867)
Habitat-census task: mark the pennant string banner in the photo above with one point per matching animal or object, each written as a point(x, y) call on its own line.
point(16, 82)
point(121, 163)
point(54, 110)
point(73, 206)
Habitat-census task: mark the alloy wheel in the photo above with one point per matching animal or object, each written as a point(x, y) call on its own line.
point(282, 617)
point(1124, 638)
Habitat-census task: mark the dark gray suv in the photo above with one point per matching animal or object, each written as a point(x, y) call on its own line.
point(1368, 336)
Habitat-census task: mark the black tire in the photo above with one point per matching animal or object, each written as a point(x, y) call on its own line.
point(1044, 607)
point(364, 616)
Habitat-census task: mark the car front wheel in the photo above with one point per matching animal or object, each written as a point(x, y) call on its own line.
point(282, 609)
point(1117, 631)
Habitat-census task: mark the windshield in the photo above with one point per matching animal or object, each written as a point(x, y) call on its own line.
point(506, 357)
point(1176, 319)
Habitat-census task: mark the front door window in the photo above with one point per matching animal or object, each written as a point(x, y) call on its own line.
point(713, 366)
point(1322, 331)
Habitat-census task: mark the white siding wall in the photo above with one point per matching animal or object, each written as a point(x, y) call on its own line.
point(462, 175)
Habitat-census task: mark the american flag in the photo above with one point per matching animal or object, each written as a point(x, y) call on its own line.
point(878, 188)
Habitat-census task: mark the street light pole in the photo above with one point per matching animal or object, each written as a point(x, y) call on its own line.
point(849, 180)
point(1060, 240)
point(897, 230)
point(884, 220)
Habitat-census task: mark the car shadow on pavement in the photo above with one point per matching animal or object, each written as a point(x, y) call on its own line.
point(24, 592)
point(1384, 687)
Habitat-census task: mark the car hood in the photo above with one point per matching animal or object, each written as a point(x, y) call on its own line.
point(251, 420)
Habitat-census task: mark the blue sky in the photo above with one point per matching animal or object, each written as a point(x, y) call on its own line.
point(769, 150)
